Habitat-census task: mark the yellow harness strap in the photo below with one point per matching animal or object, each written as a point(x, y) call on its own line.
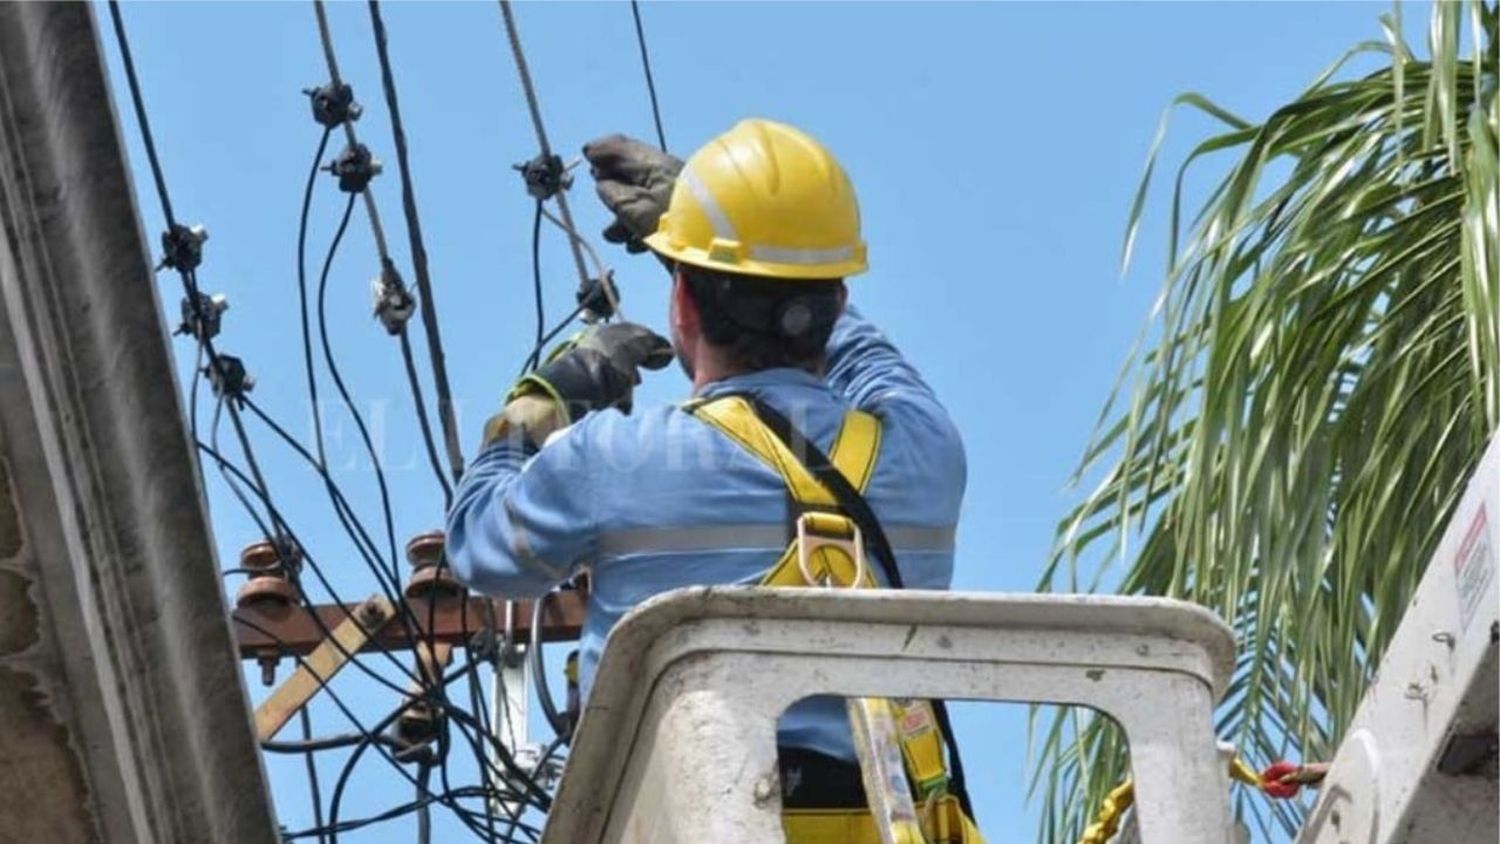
point(854, 454)
point(835, 558)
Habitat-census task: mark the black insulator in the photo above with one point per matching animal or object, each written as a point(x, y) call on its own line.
point(182, 247)
point(354, 167)
point(333, 104)
point(544, 176)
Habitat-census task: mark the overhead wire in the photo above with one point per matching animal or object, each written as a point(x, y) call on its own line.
point(640, 38)
point(274, 526)
point(368, 736)
point(533, 106)
point(419, 254)
point(418, 257)
point(305, 719)
point(377, 230)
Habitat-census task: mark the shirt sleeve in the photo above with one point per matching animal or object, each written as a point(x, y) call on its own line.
point(523, 522)
point(869, 371)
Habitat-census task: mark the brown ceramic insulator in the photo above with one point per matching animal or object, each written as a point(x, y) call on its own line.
point(425, 549)
point(267, 588)
point(265, 556)
point(259, 556)
point(433, 583)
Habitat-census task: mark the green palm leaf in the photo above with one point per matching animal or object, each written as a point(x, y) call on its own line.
point(1318, 380)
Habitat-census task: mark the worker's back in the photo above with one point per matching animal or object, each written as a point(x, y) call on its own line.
point(657, 500)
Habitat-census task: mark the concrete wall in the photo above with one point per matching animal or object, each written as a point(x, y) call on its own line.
point(122, 712)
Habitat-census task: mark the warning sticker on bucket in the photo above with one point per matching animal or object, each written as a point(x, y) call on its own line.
point(1473, 568)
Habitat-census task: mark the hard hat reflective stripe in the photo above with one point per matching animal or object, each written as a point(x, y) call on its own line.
point(723, 229)
point(754, 537)
point(809, 257)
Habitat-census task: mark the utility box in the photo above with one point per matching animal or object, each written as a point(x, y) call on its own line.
point(1418, 763)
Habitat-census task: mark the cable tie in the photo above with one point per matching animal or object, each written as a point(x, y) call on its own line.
point(202, 315)
point(354, 168)
point(545, 175)
point(182, 247)
point(394, 304)
point(333, 104)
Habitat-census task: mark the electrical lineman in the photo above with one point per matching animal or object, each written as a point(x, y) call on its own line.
point(759, 229)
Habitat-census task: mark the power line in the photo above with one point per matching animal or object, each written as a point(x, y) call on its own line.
point(418, 258)
point(326, 35)
point(640, 38)
point(528, 88)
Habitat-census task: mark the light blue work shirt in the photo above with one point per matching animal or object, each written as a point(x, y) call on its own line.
point(658, 500)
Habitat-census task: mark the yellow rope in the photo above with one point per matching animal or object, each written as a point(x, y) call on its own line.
point(1107, 821)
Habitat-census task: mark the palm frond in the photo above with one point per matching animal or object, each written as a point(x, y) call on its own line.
point(1317, 381)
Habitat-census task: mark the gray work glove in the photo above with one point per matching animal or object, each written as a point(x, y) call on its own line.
point(597, 369)
point(634, 179)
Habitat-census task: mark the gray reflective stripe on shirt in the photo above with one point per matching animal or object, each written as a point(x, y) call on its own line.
point(772, 537)
point(520, 548)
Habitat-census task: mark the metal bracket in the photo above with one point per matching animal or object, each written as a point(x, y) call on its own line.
point(318, 667)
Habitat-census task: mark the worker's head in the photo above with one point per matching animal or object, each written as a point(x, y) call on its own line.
point(740, 323)
point(761, 230)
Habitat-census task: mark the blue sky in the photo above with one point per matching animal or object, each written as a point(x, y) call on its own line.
point(995, 148)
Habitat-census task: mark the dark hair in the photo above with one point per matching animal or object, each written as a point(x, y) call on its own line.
point(764, 323)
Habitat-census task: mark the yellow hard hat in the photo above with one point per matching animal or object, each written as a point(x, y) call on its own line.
point(764, 199)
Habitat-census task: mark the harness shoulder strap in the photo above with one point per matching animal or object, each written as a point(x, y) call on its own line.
point(819, 523)
point(854, 451)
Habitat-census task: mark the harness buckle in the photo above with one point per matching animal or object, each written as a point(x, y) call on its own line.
point(810, 539)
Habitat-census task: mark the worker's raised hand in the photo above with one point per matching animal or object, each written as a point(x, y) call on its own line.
point(634, 179)
point(599, 368)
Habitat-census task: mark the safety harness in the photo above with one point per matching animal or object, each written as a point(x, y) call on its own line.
point(831, 527)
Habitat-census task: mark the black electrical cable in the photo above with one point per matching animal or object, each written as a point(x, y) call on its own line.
point(256, 480)
point(371, 737)
point(348, 400)
point(536, 285)
point(390, 581)
point(350, 521)
point(368, 737)
point(541, 764)
point(410, 364)
point(187, 274)
point(539, 670)
point(424, 814)
point(345, 512)
point(534, 358)
point(312, 770)
point(418, 253)
point(139, 104)
point(640, 38)
point(476, 703)
point(406, 809)
point(322, 743)
point(284, 529)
